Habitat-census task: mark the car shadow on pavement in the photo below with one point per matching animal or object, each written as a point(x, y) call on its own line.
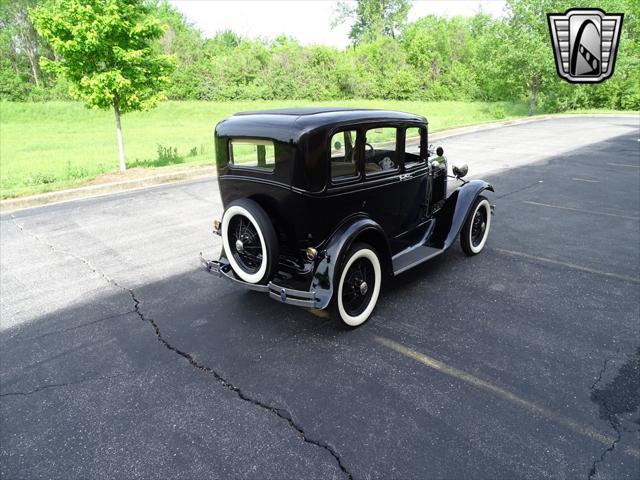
point(148, 380)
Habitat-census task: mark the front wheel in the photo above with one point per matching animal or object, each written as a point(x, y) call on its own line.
point(475, 230)
point(359, 285)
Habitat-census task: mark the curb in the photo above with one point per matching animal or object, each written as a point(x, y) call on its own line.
point(68, 195)
point(91, 191)
point(451, 132)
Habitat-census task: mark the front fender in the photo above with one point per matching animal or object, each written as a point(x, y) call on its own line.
point(451, 217)
point(338, 243)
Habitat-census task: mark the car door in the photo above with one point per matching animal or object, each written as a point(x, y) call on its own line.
point(344, 196)
point(414, 177)
point(382, 190)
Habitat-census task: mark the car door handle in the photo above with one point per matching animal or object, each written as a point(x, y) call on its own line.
point(405, 176)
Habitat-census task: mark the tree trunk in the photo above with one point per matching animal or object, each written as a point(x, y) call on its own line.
point(533, 98)
point(116, 109)
point(14, 57)
point(28, 41)
point(262, 156)
point(35, 65)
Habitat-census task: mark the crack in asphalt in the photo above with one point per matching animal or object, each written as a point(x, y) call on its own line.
point(621, 396)
point(610, 448)
point(66, 384)
point(610, 418)
point(602, 370)
point(279, 412)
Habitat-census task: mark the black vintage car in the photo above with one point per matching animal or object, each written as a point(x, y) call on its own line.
point(321, 203)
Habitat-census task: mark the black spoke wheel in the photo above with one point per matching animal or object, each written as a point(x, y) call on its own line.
point(358, 285)
point(475, 230)
point(250, 242)
point(245, 244)
point(478, 226)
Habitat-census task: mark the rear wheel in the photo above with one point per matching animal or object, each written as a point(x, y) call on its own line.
point(475, 231)
point(249, 241)
point(359, 285)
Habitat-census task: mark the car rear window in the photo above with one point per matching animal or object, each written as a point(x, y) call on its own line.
point(252, 153)
point(343, 155)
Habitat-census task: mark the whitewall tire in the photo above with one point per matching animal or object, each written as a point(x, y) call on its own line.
point(359, 285)
point(475, 230)
point(249, 241)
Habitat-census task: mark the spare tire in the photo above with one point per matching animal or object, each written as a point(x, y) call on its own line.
point(250, 241)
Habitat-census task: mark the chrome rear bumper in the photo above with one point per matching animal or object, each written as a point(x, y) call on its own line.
point(299, 298)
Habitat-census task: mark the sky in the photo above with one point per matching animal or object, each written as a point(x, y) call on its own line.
point(307, 20)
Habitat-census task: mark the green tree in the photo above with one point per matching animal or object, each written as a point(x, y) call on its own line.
point(434, 58)
point(516, 56)
point(104, 48)
point(373, 18)
point(441, 52)
point(21, 77)
point(185, 43)
point(527, 63)
point(22, 36)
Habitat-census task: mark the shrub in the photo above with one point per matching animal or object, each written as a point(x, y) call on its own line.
point(75, 172)
point(167, 155)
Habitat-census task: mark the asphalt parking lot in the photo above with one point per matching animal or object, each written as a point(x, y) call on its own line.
point(122, 358)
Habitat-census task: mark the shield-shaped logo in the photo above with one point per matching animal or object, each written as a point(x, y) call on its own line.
point(585, 43)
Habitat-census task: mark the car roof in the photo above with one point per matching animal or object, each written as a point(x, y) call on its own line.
point(298, 111)
point(288, 124)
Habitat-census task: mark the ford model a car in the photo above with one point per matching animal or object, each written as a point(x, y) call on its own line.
point(321, 203)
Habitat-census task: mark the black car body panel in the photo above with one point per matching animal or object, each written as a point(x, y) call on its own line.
point(300, 186)
point(356, 228)
point(404, 213)
point(449, 218)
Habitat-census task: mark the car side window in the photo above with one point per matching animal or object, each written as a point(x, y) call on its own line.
point(380, 153)
point(413, 154)
point(343, 155)
point(252, 153)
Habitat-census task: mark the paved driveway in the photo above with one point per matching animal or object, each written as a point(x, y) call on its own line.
point(121, 358)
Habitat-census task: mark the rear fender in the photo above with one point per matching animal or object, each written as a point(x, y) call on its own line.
point(451, 217)
point(352, 230)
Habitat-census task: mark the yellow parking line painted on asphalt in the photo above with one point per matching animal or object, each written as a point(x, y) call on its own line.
point(585, 180)
point(567, 264)
point(589, 212)
point(623, 165)
point(319, 313)
point(505, 394)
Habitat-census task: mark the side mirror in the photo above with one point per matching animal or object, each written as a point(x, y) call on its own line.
point(461, 171)
point(439, 151)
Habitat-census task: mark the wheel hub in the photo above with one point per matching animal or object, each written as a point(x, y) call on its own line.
point(239, 246)
point(363, 288)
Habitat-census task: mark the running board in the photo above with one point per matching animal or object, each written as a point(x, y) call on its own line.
point(415, 256)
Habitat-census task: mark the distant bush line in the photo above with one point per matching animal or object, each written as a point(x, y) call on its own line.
point(461, 58)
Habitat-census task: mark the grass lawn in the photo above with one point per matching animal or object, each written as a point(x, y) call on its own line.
point(49, 146)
